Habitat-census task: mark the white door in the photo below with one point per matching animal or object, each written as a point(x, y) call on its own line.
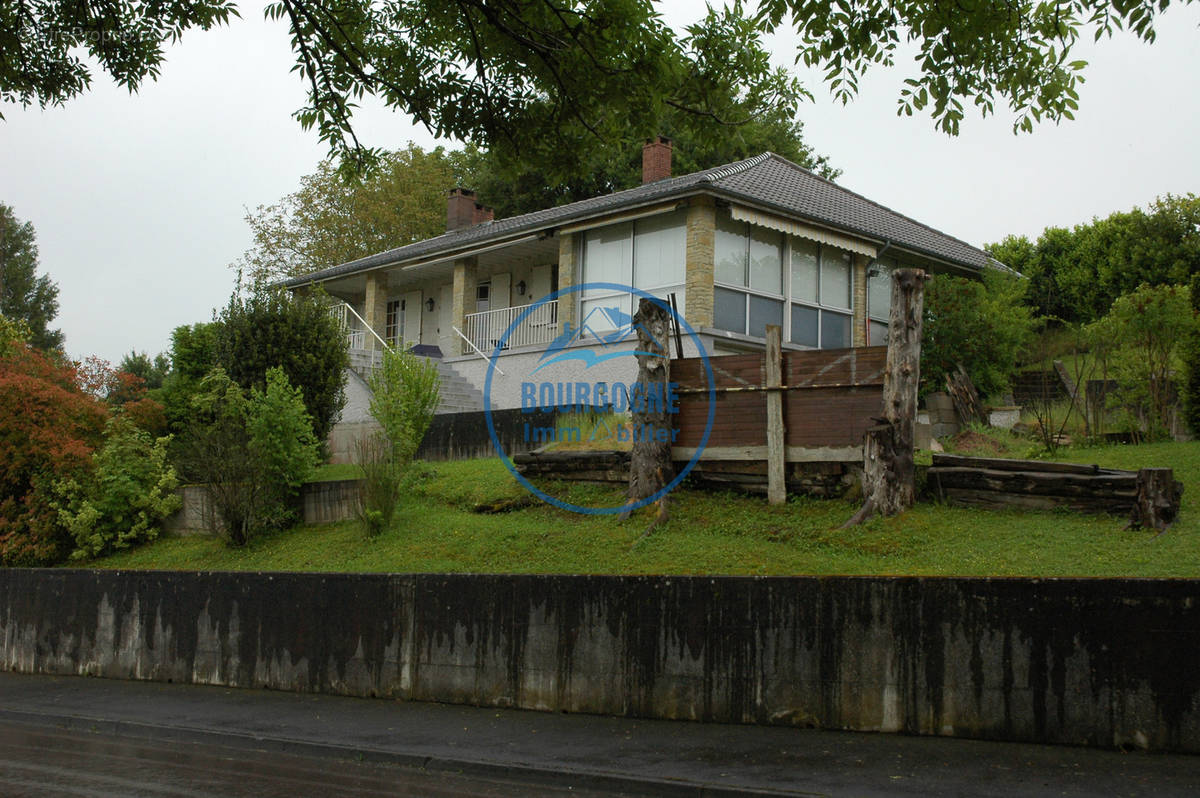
point(501, 291)
point(412, 318)
point(539, 282)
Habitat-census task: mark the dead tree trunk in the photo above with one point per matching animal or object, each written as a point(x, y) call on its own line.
point(650, 468)
point(889, 474)
point(1157, 502)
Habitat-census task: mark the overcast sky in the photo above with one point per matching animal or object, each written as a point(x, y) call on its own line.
point(138, 201)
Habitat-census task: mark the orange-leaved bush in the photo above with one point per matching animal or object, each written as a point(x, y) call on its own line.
point(48, 431)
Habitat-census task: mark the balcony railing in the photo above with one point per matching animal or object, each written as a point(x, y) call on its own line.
point(355, 327)
point(485, 329)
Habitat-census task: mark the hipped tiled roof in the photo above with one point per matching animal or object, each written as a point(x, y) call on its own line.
point(767, 180)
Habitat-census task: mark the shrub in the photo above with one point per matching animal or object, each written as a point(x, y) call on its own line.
point(252, 454)
point(383, 474)
point(124, 498)
point(1147, 330)
point(405, 395)
point(1191, 363)
point(48, 431)
point(281, 437)
point(981, 325)
point(272, 329)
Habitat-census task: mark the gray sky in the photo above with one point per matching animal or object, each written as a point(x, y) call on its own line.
point(138, 200)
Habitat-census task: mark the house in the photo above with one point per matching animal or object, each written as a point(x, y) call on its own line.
point(741, 246)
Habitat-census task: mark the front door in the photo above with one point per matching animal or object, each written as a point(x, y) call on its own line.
point(412, 319)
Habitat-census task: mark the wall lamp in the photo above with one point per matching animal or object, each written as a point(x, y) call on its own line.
point(521, 288)
point(429, 304)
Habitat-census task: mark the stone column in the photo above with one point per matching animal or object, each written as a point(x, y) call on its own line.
point(861, 321)
point(375, 310)
point(701, 236)
point(466, 280)
point(566, 278)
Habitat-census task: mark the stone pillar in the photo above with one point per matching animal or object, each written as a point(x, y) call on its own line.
point(567, 303)
point(701, 236)
point(375, 309)
point(860, 302)
point(466, 280)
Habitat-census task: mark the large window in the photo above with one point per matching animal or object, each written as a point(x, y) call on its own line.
point(647, 254)
point(748, 272)
point(812, 300)
point(822, 295)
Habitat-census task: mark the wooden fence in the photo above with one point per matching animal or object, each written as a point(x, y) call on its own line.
point(830, 397)
point(826, 401)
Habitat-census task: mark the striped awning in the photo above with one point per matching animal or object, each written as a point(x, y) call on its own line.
point(802, 230)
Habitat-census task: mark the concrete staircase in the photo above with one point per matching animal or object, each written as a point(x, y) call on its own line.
point(459, 395)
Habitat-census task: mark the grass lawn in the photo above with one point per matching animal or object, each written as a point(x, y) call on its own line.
point(438, 530)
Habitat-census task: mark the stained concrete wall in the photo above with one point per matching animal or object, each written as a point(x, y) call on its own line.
point(1102, 662)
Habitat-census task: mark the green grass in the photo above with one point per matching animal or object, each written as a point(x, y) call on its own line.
point(332, 473)
point(438, 530)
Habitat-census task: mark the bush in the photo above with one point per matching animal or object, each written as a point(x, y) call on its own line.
point(1147, 330)
point(383, 474)
point(272, 329)
point(981, 325)
point(48, 431)
point(1191, 363)
point(124, 498)
point(405, 396)
point(252, 454)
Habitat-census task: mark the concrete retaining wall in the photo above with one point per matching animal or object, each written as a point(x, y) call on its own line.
point(320, 503)
point(1102, 662)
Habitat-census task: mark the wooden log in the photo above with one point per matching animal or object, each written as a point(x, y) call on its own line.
point(1001, 464)
point(1157, 502)
point(965, 397)
point(1123, 486)
point(995, 500)
point(889, 473)
point(776, 451)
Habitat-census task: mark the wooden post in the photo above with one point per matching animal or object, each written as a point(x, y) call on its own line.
point(650, 468)
point(776, 451)
point(889, 473)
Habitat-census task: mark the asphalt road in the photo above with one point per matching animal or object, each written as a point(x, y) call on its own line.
point(39, 763)
point(87, 736)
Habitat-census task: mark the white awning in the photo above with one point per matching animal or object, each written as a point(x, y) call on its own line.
point(818, 234)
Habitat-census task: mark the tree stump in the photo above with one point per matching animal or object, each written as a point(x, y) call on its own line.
point(889, 473)
point(1157, 502)
point(650, 468)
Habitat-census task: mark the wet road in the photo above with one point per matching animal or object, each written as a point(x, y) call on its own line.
point(41, 763)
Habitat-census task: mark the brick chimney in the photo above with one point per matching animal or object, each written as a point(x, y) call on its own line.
point(482, 213)
point(460, 209)
point(656, 159)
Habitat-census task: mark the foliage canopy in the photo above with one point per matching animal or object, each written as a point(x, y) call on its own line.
point(979, 324)
point(25, 295)
point(507, 74)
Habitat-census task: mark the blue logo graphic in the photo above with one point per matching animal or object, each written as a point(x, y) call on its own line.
point(602, 336)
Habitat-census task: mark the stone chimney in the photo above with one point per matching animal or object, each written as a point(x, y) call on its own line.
point(460, 209)
point(656, 159)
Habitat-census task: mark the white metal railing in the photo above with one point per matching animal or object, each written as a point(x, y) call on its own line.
point(484, 330)
point(355, 326)
point(478, 351)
